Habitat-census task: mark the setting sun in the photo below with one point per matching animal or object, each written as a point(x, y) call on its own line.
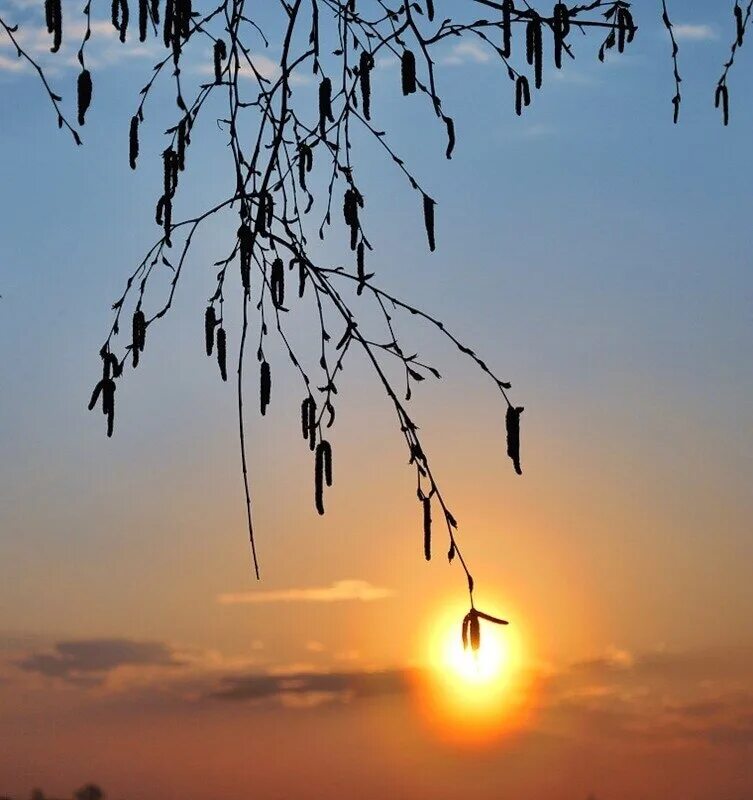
point(477, 668)
point(474, 694)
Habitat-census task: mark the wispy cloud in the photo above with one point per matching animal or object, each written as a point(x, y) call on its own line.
point(570, 75)
point(467, 53)
point(339, 591)
point(321, 686)
point(260, 66)
point(694, 33)
point(90, 660)
point(11, 64)
point(102, 50)
point(658, 698)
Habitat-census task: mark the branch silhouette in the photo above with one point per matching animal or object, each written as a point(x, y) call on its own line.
point(278, 185)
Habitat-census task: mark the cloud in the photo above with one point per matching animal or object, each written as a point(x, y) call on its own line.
point(329, 686)
point(575, 77)
point(467, 52)
point(661, 698)
point(89, 660)
point(694, 33)
point(337, 592)
point(261, 66)
point(102, 50)
point(11, 64)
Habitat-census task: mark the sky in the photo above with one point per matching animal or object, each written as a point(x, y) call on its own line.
point(594, 254)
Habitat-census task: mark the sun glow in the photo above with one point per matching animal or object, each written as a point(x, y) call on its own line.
point(477, 695)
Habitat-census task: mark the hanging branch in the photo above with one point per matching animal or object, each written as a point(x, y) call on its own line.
point(677, 99)
point(55, 99)
point(293, 160)
point(721, 96)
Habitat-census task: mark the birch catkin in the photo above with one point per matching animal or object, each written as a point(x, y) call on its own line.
point(210, 323)
point(245, 247)
point(265, 387)
point(739, 23)
point(301, 277)
point(351, 203)
point(507, 8)
point(408, 72)
point(308, 421)
point(360, 268)
point(325, 105)
point(722, 99)
point(322, 473)
point(138, 335)
point(143, 19)
point(474, 631)
point(450, 125)
point(534, 54)
point(108, 403)
point(220, 54)
point(561, 29)
point(133, 141)
point(429, 221)
point(167, 30)
point(120, 17)
point(305, 418)
point(84, 91)
point(522, 94)
point(305, 163)
point(427, 527)
point(512, 424)
point(277, 283)
point(365, 65)
point(54, 18)
point(222, 353)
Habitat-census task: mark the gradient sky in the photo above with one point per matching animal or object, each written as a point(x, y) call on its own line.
point(595, 255)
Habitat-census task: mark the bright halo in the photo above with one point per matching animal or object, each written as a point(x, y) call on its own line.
point(474, 695)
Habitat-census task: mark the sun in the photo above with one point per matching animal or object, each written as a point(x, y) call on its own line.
point(485, 666)
point(474, 695)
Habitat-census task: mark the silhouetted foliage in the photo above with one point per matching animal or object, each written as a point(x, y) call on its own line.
point(273, 192)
